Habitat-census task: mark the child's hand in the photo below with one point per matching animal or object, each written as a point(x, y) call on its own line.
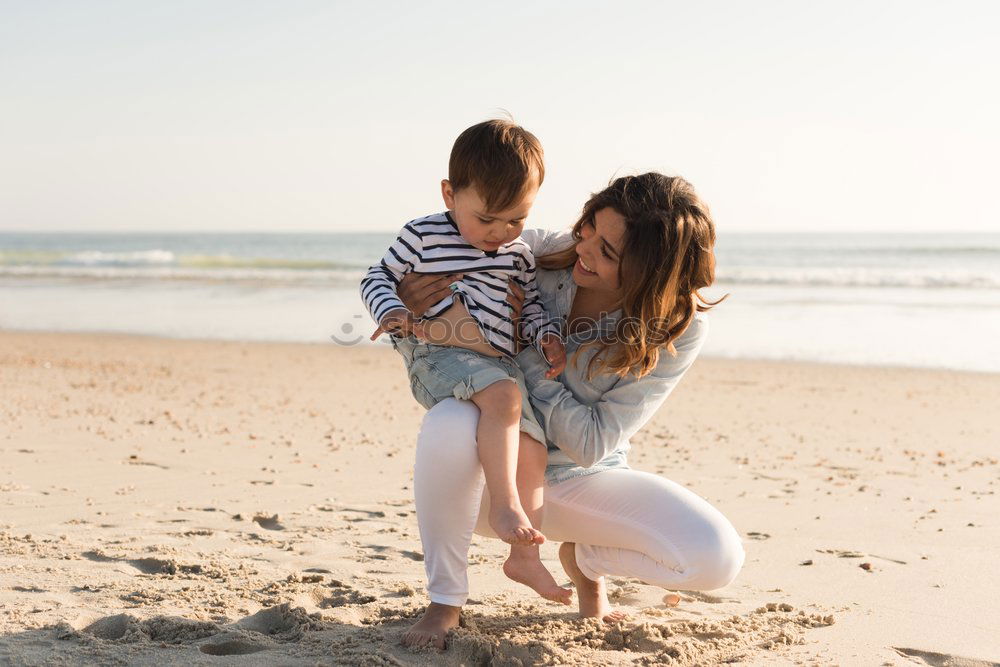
point(555, 354)
point(400, 322)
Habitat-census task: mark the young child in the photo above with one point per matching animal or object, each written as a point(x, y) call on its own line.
point(463, 346)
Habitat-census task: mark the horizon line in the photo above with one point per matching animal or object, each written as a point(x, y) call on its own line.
point(393, 231)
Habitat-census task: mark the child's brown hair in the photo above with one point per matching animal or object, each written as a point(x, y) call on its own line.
point(500, 159)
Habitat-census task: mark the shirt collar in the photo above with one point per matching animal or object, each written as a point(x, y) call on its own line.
point(488, 253)
point(606, 325)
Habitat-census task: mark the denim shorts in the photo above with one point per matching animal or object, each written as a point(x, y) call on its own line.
point(438, 372)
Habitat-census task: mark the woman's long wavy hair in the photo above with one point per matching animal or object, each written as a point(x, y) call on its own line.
point(666, 257)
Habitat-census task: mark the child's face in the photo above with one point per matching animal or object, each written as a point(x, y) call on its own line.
point(487, 230)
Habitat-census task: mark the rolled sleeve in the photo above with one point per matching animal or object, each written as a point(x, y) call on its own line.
point(545, 241)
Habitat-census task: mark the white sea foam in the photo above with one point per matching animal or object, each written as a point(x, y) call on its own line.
point(262, 276)
point(165, 265)
point(217, 269)
point(862, 277)
point(154, 257)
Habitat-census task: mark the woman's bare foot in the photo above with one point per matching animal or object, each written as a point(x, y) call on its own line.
point(525, 567)
point(592, 595)
point(512, 526)
point(432, 627)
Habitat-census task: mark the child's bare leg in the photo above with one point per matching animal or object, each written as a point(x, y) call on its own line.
point(525, 565)
point(497, 435)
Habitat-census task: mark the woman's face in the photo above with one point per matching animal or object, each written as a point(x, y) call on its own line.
point(599, 251)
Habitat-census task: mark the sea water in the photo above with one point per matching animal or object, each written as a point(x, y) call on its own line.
point(928, 300)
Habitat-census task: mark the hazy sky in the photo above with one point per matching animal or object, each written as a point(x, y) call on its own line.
point(295, 115)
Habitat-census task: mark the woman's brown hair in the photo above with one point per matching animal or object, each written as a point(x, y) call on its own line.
point(667, 256)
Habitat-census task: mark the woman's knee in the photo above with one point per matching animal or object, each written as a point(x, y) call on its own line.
point(716, 557)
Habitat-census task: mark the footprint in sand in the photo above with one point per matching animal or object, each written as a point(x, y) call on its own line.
point(281, 622)
point(197, 532)
point(371, 514)
point(272, 522)
point(136, 461)
point(154, 565)
point(705, 597)
point(169, 629)
point(111, 627)
point(942, 659)
point(232, 647)
point(86, 588)
point(147, 565)
point(98, 557)
point(339, 597)
point(841, 553)
point(379, 551)
point(267, 629)
point(181, 508)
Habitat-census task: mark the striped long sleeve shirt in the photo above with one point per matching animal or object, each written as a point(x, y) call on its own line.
point(433, 244)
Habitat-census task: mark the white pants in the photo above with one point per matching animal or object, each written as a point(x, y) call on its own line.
point(624, 522)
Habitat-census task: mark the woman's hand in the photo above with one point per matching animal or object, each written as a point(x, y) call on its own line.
point(515, 297)
point(420, 291)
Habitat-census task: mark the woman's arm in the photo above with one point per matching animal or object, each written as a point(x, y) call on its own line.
point(588, 433)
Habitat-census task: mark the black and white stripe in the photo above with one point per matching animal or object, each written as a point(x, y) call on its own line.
point(433, 244)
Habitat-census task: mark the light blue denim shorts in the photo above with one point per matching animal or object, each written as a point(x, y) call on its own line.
point(438, 372)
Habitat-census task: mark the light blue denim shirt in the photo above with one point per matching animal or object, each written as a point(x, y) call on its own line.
point(588, 423)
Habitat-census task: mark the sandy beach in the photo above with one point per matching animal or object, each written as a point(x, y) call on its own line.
point(190, 502)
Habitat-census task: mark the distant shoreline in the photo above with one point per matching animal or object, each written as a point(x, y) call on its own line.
point(101, 336)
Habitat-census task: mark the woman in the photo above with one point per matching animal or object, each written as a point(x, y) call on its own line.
point(626, 281)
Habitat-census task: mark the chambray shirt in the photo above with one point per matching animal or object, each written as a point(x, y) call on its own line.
point(588, 423)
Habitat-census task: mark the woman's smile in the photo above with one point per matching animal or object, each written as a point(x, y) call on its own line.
point(586, 270)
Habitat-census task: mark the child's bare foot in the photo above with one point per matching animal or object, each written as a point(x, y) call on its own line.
point(525, 567)
point(592, 595)
point(512, 526)
point(432, 627)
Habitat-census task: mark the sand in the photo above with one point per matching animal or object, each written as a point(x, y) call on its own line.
point(188, 502)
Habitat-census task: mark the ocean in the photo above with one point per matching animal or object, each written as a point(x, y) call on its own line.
point(921, 300)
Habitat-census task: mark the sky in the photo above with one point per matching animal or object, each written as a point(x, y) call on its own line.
point(240, 115)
